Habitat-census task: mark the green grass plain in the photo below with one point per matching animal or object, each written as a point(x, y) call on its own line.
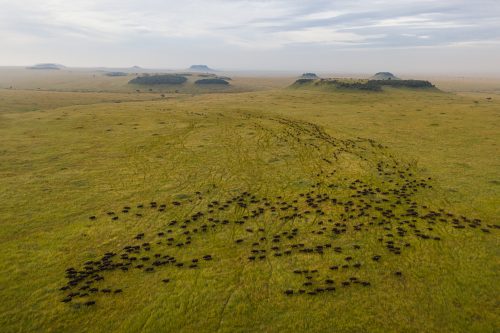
point(62, 162)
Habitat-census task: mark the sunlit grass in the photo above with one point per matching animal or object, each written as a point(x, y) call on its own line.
point(61, 166)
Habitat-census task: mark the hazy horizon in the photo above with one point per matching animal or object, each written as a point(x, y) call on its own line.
point(448, 37)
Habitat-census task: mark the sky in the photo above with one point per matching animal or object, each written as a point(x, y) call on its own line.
point(358, 36)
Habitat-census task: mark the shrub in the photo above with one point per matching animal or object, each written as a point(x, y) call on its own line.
point(309, 76)
point(116, 74)
point(212, 81)
point(159, 79)
point(405, 83)
point(370, 85)
point(303, 81)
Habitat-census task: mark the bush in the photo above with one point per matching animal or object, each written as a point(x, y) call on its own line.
point(303, 81)
point(370, 85)
point(405, 83)
point(212, 81)
point(159, 79)
point(116, 74)
point(309, 76)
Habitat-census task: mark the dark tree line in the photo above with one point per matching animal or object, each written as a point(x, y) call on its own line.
point(159, 79)
point(406, 83)
point(116, 74)
point(212, 81)
point(370, 85)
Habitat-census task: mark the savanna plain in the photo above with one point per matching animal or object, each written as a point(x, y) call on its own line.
point(260, 207)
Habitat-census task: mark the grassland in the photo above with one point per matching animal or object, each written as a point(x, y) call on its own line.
point(91, 80)
point(36, 100)
point(232, 157)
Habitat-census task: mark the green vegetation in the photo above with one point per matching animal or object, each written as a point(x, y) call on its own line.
point(309, 76)
point(159, 79)
point(357, 85)
point(116, 74)
point(405, 83)
point(12, 100)
point(363, 85)
point(303, 81)
point(348, 174)
point(212, 81)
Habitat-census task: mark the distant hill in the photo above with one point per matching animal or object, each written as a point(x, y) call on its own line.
point(384, 76)
point(47, 66)
point(309, 76)
point(201, 68)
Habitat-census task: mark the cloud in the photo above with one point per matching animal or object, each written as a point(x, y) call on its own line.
point(245, 22)
point(218, 26)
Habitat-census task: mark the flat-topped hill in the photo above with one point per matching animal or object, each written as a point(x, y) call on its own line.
point(47, 66)
point(200, 68)
point(384, 76)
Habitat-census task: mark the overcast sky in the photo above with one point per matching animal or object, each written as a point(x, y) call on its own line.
point(405, 36)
